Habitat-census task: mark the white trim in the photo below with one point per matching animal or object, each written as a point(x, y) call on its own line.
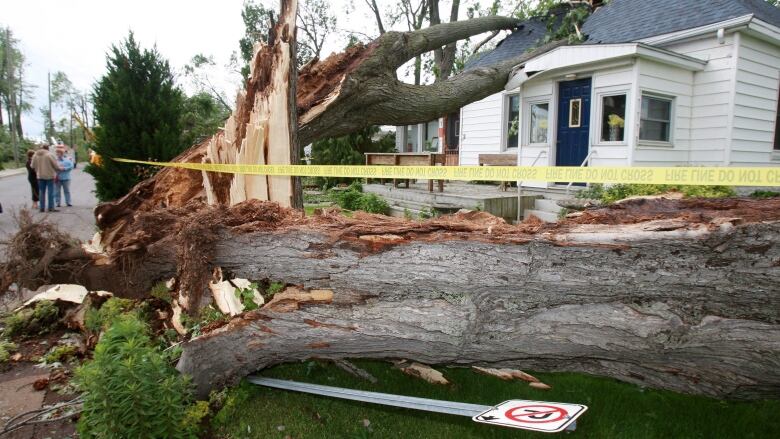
point(732, 99)
point(764, 31)
point(598, 120)
point(634, 109)
point(672, 114)
point(660, 40)
point(587, 55)
point(530, 113)
point(506, 98)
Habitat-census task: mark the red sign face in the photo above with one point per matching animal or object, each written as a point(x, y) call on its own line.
point(536, 414)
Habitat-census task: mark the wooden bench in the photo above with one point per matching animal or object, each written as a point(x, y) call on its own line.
point(498, 160)
point(407, 159)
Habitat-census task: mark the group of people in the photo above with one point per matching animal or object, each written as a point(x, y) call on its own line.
point(49, 176)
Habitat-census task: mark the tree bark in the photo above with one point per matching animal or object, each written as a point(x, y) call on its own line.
point(674, 304)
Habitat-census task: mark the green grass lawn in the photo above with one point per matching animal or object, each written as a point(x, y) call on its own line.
point(616, 410)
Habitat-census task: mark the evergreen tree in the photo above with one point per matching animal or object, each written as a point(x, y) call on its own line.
point(138, 112)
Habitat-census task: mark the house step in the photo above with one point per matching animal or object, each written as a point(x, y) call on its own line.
point(404, 212)
point(547, 205)
point(541, 214)
point(450, 196)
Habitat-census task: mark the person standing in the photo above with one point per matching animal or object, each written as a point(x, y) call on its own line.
point(31, 177)
point(62, 183)
point(45, 165)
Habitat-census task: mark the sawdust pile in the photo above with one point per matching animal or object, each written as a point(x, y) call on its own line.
point(692, 210)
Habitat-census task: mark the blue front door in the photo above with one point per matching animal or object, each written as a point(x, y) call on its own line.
point(573, 122)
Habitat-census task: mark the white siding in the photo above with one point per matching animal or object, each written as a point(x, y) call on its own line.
point(711, 99)
point(481, 125)
point(755, 102)
point(664, 80)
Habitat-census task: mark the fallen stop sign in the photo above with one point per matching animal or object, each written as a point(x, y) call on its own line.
point(547, 417)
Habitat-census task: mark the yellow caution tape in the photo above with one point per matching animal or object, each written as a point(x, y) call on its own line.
point(702, 176)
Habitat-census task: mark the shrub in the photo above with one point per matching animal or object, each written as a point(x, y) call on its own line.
point(274, 288)
point(6, 347)
point(764, 194)
point(131, 391)
point(161, 291)
point(373, 203)
point(247, 297)
point(621, 191)
point(39, 320)
point(97, 320)
point(59, 354)
point(353, 198)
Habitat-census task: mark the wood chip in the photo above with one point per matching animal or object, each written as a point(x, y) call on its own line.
point(427, 373)
point(541, 386)
point(506, 374)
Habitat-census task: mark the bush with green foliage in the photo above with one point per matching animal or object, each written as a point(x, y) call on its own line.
point(617, 192)
point(205, 317)
point(6, 347)
point(161, 291)
point(131, 391)
point(99, 319)
point(762, 194)
point(349, 150)
point(38, 320)
point(138, 110)
point(353, 198)
point(274, 287)
point(59, 354)
point(247, 297)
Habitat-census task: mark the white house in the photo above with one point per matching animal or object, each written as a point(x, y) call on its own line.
point(656, 83)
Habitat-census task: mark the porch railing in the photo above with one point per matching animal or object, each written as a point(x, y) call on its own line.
point(584, 162)
point(520, 184)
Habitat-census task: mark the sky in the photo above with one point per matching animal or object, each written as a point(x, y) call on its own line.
point(73, 36)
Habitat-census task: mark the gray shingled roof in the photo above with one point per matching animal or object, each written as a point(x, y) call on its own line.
point(525, 37)
point(623, 21)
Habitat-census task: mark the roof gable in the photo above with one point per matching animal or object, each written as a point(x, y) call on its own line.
point(622, 21)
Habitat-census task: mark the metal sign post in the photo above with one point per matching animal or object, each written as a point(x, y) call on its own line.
point(549, 417)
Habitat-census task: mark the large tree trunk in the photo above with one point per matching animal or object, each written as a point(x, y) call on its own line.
point(687, 301)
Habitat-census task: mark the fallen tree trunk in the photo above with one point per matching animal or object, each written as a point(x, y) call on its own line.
point(688, 302)
point(674, 294)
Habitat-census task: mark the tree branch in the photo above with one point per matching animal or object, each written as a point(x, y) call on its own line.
point(428, 39)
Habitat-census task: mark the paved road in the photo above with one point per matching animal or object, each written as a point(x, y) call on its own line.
point(78, 220)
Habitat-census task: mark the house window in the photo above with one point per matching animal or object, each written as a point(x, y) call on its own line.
point(539, 123)
point(656, 121)
point(575, 113)
point(512, 121)
point(613, 118)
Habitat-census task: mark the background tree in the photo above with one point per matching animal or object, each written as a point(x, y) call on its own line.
point(315, 24)
point(349, 150)
point(202, 115)
point(315, 21)
point(15, 93)
point(197, 71)
point(138, 111)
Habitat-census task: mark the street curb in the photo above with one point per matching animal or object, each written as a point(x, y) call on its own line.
point(12, 172)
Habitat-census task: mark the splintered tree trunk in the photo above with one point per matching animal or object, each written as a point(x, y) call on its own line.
point(262, 129)
point(674, 304)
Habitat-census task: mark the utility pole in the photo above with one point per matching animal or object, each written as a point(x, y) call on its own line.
point(11, 96)
point(50, 128)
